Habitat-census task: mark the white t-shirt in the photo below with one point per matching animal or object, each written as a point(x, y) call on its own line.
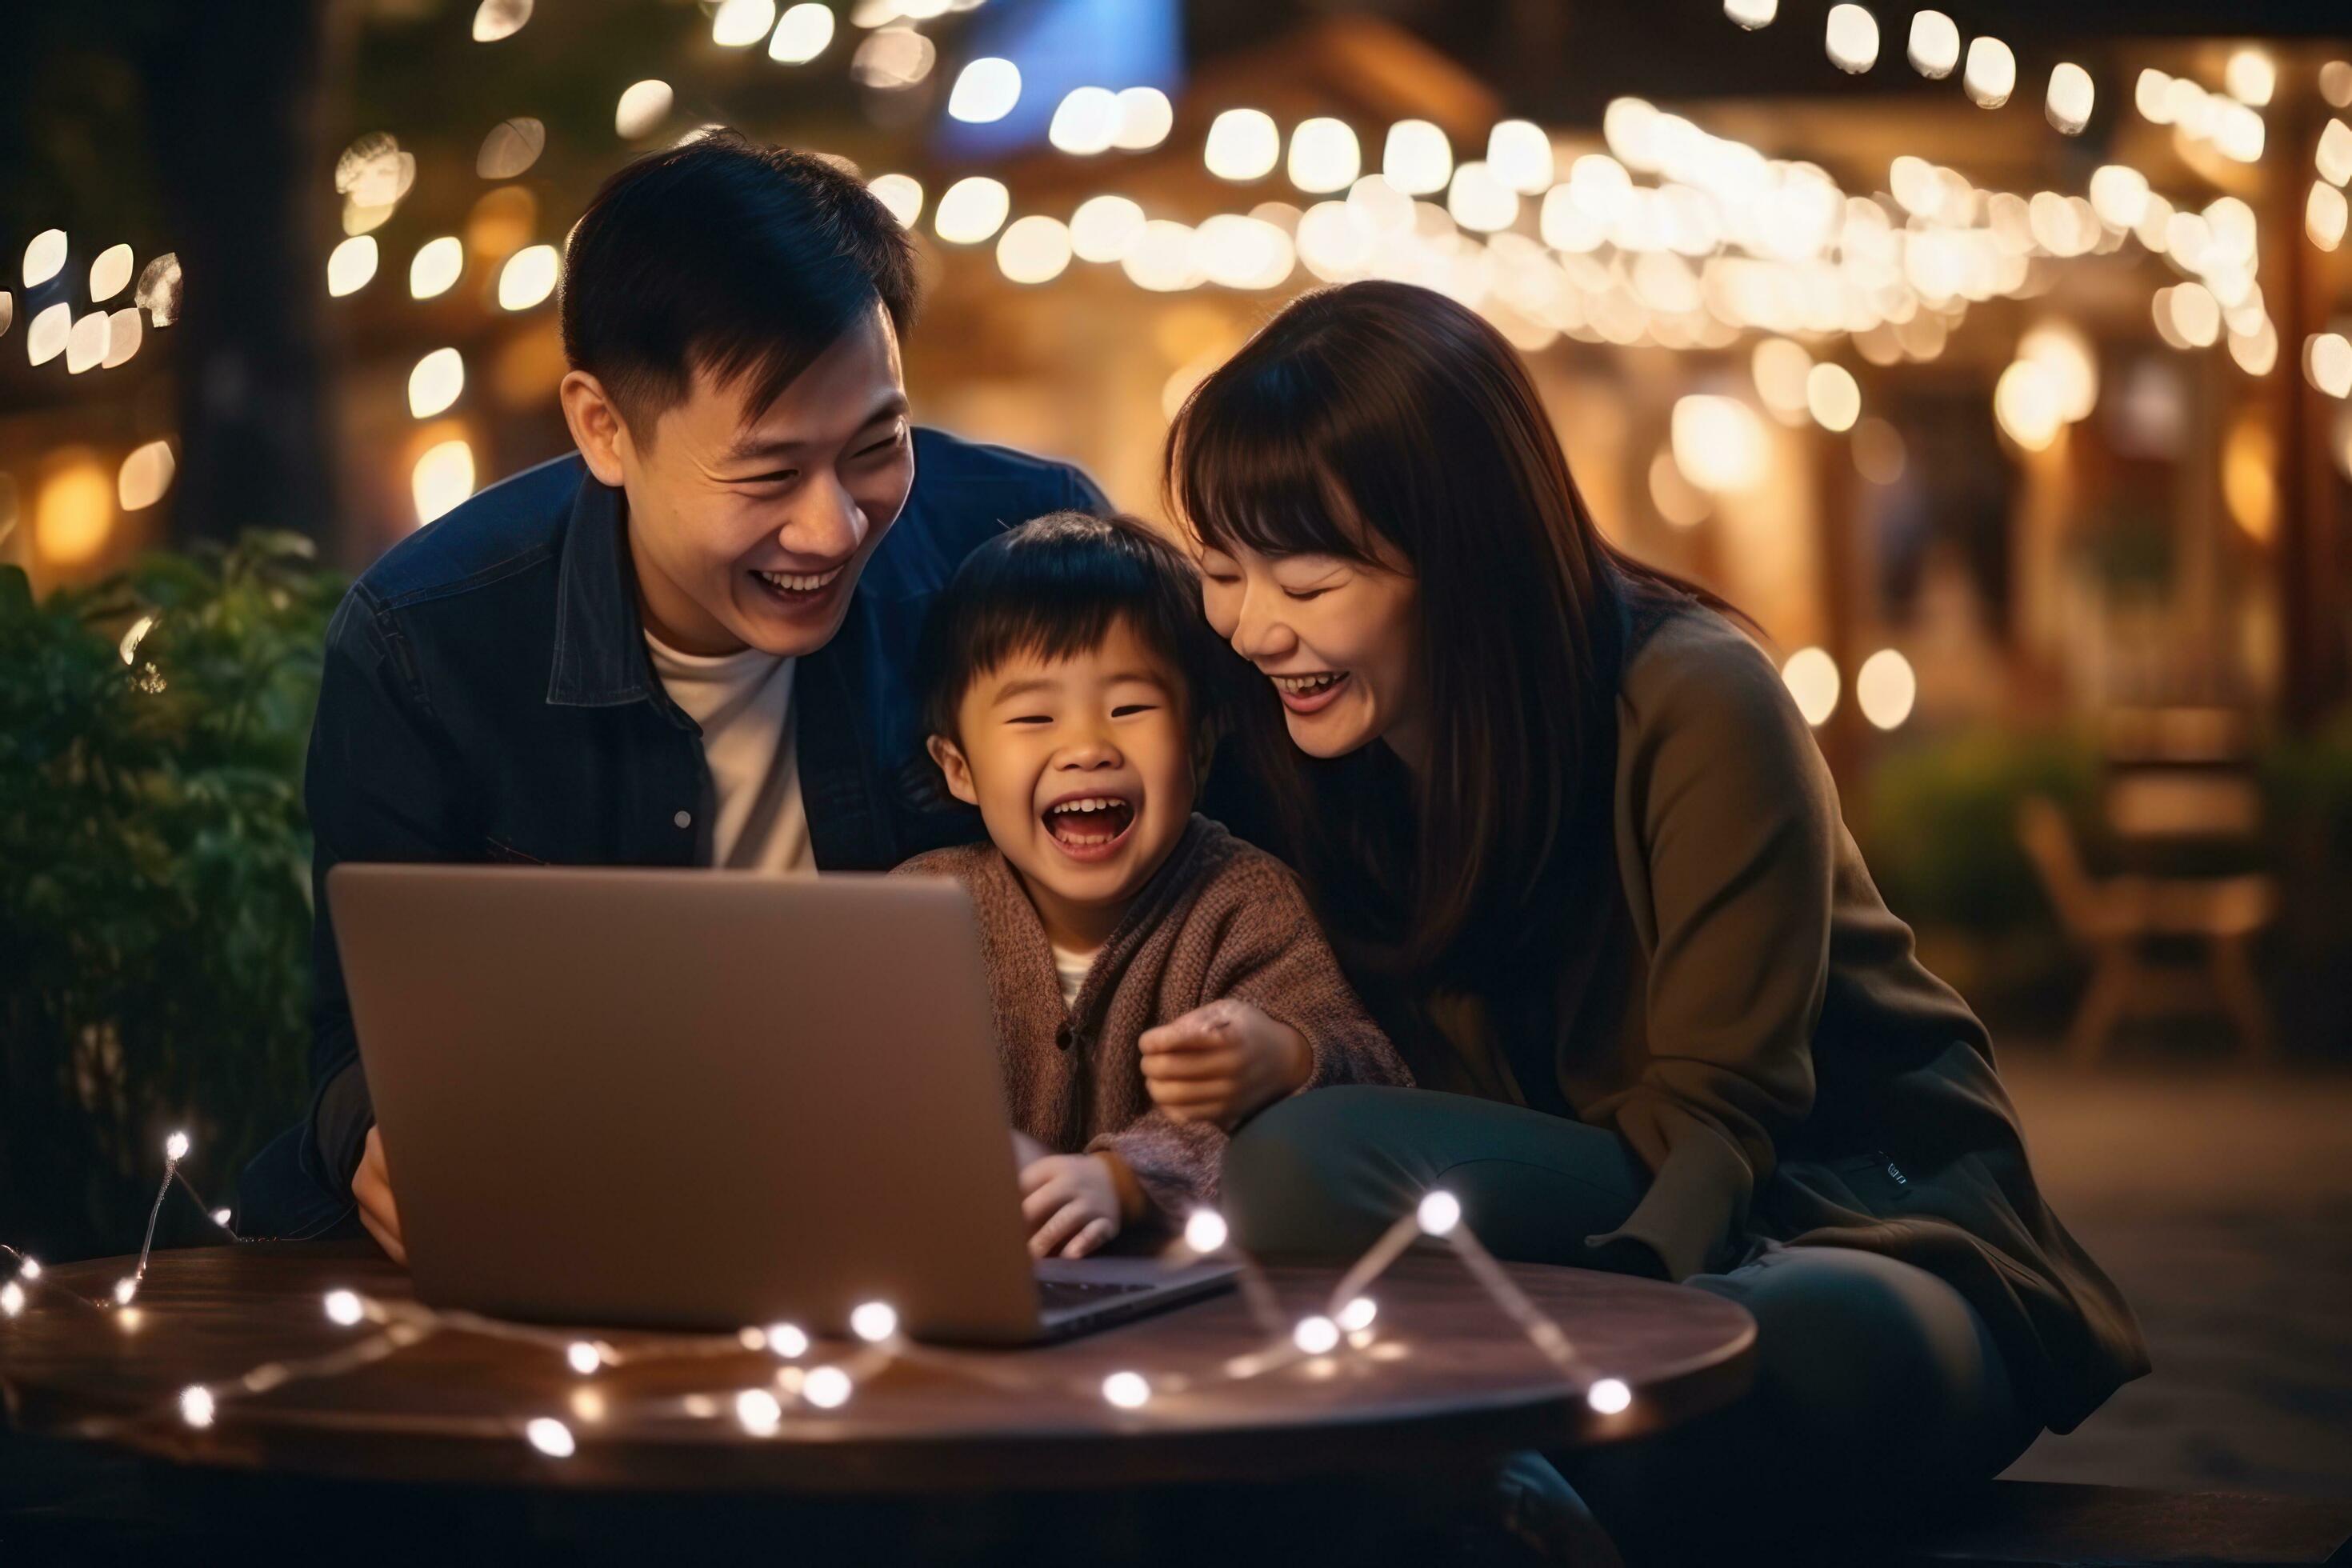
point(1071, 967)
point(743, 702)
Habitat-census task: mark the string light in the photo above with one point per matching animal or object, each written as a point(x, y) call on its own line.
point(1323, 155)
point(1417, 158)
point(902, 193)
point(196, 1405)
point(1518, 154)
point(1752, 14)
point(643, 106)
point(12, 1299)
point(758, 1412)
point(1105, 228)
point(529, 277)
point(1852, 38)
point(1610, 1397)
point(1127, 1389)
point(582, 1357)
point(1087, 123)
point(872, 1321)
point(45, 257)
point(1991, 75)
point(437, 267)
point(550, 1437)
point(1242, 144)
point(29, 1265)
point(2067, 104)
point(1145, 118)
point(971, 210)
point(826, 1387)
point(350, 264)
point(1358, 1314)
point(343, 1307)
point(1438, 1214)
point(802, 34)
point(495, 19)
point(985, 90)
point(1315, 1335)
point(786, 1340)
point(1811, 677)
point(2334, 156)
point(1934, 48)
point(435, 383)
point(740, 24)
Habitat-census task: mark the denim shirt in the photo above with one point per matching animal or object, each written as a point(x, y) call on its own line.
point(487, 696)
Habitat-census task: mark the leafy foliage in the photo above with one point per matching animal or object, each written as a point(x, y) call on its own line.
point(154, 865)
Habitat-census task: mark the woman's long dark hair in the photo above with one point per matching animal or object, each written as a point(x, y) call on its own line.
point(1387, 410)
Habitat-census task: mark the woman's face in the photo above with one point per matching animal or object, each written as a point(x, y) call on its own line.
point(1340, 639)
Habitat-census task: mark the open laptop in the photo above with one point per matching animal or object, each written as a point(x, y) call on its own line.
point(704, 1099)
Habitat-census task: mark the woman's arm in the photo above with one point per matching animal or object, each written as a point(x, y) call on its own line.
point(1736, 823)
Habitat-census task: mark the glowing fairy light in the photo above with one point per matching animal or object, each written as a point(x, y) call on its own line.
point(435, 383)
point(158, 292)
point(27, 1266)
point(510, 148)
point(125, 1288)
point(196, 1405)
point(971, 210)
point(45, 257)
point(1935, 46)
point(550, 1437)
point(437, 267)
point(1033, 249)
point(144, 478)
point(175, 1147)
point(786, 1340)
point(2068, 101)
point(2193, 314)
point(1105, 228)
point(802, 34)
point(343, 1308)
point(1439, 1212)
point(1417, 158)
point(2324, 215)
point(88, 343)
point(1127, 1389)
point(2250, 77)
point(2239, 134)
point(12, 1299)
point(757, 1411)
point(1243, 252)
point(1358, 1314)
point(2333, 158)
point(1811, 677)
point(350, 264)
point(740, 24)
point(2335, 83)
point(1718, 442)
point(872, 1321)
point(1145, 118)
point(1163, 257)
point(45, 334)
point(1518, 153)
point(1478, 200)
point(643, 106)
point(1991, 75)
point(2119, 195)
point(1324, 156)
point(1852, 38)
point(1885, 689)
point(1315, 1334)
point(529, 277)
point(902, 193)
point(442, 478)
point(1779, 368)
point(2025, 404)
point(1610, 1397)
point(110, 274)
point(1086, 121)
point(751, 1338)
point(985, 90)
point(1242, 144)
point(495, 19)
point(826, 1387)
point(893, 59)
point(2327, 363)
point(220, 1217)
point(1832, 397)
point(1205, 1231)
point(582, 1357)
point(1752, 14)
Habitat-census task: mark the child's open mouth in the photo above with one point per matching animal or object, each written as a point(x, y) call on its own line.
point(1090, 826)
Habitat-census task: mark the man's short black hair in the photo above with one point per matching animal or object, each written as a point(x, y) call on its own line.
point(743, 261)
point(1054, 587)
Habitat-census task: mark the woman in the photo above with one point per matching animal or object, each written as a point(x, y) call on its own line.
point(1580, 853)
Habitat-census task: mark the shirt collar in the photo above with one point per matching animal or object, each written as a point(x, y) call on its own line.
point(599, 646)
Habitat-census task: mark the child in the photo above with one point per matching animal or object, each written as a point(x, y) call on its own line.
point(1155, 980)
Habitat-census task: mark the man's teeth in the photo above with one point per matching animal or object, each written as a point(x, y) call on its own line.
point(1301, 685)
point(798, 582)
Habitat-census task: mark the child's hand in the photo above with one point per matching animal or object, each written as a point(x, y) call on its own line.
point(1071, 1204)
point(1222, 1062)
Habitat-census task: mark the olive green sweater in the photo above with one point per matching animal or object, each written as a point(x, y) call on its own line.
point(1754, 1023)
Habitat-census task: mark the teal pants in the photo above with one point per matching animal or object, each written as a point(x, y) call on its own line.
point(1879, 1391)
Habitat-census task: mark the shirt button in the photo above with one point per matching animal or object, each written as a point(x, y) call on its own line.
point(1063, 1037)
point(684, 819)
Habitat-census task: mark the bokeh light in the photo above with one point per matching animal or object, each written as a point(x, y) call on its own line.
point(1934, 45)
point(1324, 156)
point(1086, 122)
point(350, 265)
point(442, 478)
point(1242, 144)
point(1033, 249)
point(740, 24)
point(1885, 689)
point(1852, 38)
point(1417, 158)
point(436, 381)
point(802, 33)
point(437, 267)
point(1106, 227)
point(985, 90)
point(902, 193)
point(971, 210)
point(1991, 75)
point(643, 107)
point(1811, 677)
point(146, 476)
point(110, 274)
point(529, 277)
point(1718, 442)
point(1145, 118)
point(45, 257)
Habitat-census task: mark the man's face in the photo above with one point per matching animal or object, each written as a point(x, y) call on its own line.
point(1083, 772)
point(749, 527)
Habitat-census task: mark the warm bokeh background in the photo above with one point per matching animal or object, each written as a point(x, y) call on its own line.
point(1994, 363)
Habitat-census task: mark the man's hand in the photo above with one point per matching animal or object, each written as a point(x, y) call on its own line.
point(1070, 1203)
point(1223, 1062)
point(372, 1185)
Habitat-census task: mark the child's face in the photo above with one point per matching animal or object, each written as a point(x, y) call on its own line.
point(1082, 768)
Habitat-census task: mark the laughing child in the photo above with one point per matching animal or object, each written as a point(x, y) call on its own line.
point(1155, 980)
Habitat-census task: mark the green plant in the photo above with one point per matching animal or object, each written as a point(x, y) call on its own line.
point(154, 862)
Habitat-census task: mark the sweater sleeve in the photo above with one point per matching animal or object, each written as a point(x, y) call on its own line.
point(1175, 1162)
point(1271, 954)
point(1737, 818)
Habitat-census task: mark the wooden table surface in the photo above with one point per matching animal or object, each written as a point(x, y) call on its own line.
point(1446, 1378)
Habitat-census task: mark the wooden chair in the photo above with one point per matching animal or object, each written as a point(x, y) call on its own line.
point(2122, 922)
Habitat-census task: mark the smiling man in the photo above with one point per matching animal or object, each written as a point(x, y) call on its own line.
point(685, 643)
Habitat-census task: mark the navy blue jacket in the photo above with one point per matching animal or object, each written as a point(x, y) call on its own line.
point(486, 696)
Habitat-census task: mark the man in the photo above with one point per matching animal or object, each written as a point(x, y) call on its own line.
point(687, 643)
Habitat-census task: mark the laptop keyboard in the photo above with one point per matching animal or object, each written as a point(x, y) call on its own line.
point(1061, 1295)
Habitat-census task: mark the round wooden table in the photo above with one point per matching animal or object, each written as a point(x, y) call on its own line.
point(1444, 1379)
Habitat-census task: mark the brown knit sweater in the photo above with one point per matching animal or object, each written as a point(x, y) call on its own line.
point(1220, 919)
